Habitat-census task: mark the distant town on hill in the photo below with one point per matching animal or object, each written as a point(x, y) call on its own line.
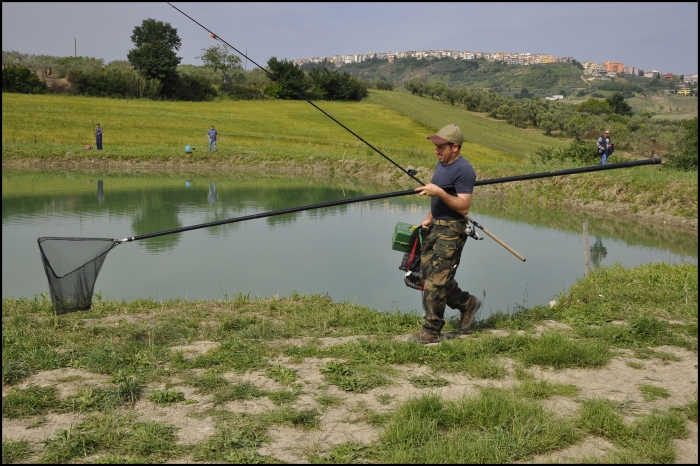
point(594, 70)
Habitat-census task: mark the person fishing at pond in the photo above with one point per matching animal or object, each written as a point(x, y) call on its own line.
point(445, 236)
point(604, 147)
point(98, 137)
point(213, 136)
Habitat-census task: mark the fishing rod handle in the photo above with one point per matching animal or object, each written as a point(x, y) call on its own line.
point(495, 238)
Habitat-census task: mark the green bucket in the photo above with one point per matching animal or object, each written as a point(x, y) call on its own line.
point(402, 234)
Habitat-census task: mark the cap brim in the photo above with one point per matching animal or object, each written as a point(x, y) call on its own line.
point(437, 140)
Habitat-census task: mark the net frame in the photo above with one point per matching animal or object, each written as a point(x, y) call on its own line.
point(72, 266)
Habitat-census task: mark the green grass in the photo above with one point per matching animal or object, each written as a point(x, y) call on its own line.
point(165, 397)
point(31, 401)
point(647, 440)
point(14, 451)
point(284, 131)
point(487, 133)
point(652, 305)
point(115, 438)
point(426, 381)
point(492, 427)
point(651, 392)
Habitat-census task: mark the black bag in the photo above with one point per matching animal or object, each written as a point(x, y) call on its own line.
point(411, 260)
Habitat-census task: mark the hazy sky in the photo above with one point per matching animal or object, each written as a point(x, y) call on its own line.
point(661, 36)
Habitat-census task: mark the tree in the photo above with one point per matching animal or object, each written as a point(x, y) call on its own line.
point(594, 107)
point(154, 56)
point(219, 58)
point(332, 85)
point(618, 105)
point(290, 74)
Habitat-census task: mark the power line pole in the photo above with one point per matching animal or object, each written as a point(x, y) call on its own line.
point(75, 47)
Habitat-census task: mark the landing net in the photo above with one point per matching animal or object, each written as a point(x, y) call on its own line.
point(71, 266)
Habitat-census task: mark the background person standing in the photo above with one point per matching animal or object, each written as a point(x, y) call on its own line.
point(98, 137)
point(213, 136)
point(604, 147)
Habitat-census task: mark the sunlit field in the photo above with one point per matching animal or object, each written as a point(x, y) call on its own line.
point(51, 126)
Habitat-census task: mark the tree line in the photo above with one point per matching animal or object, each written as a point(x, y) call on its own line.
point(153, 70)
point(638, 133)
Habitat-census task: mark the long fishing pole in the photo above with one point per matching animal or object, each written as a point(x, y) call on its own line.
point(410, 173)
point(408, 192)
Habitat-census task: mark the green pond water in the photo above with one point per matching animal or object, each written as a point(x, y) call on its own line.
point(343, 251)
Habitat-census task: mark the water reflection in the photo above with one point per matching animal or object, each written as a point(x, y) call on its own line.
point(212, 195)
point(100, 192)
point(649, 234)
point(344, 251)
point(598, 251)
point(157, 212)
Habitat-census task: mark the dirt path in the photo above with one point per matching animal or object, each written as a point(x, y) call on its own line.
point(346, 422)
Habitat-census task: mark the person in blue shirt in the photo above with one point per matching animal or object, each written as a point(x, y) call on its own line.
point(98, 137)
point(213, 136)
point(446, 234)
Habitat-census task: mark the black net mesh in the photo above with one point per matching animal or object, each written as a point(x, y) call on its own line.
point(71, 266)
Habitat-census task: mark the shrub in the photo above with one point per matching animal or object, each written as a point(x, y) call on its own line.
point(21, 80)
point(595, 107)
point(687, 158)
point(578, 152)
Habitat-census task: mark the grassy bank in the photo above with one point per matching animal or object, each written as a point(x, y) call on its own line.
point(303, 379)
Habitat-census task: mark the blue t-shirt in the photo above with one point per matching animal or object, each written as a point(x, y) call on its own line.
point(457, 177)
point(212, 133)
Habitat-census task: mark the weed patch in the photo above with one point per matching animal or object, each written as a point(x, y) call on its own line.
point(492, 427)
point(15, 451)
point(357, 379)
point(166, 397)
point(651, 392)
point(31, 401)
point(426, 381)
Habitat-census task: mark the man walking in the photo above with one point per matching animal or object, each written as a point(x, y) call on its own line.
point(451, 193)
point(98, 137)
point(604, 147)
point(213, 136)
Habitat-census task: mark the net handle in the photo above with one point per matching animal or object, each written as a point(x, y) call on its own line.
point(508, 179)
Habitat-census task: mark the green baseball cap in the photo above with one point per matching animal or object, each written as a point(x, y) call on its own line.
point(449, 133)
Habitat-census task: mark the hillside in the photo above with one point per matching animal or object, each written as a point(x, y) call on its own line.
point(486, 132)
point(479, 74)
point(539, 79)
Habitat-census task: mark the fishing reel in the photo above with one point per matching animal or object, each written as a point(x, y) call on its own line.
point(471, 231)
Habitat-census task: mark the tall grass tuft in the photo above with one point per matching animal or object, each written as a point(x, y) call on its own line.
point(492, 427)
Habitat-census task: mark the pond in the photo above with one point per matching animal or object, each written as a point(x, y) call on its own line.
point(343, 251)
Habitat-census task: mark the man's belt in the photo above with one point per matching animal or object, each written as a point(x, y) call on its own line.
point(446, 223)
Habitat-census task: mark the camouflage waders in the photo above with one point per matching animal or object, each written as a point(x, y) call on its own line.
point(440, 255)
